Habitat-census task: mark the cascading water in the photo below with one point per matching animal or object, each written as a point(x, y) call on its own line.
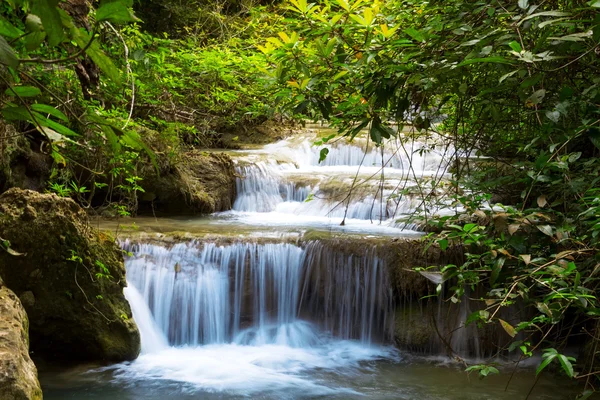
point(248, 293)
point(304, 304)
point(292, 321)
point(285, 180)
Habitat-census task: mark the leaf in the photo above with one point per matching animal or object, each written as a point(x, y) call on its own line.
point(536, 97)
point(116, 12)
point(512, 228)
point(524, 4)
point(497, 60)
point(544, 364)
point(323, 154)
point(516, 46)
point(544, 14)
point(508, 328)
point(9, 30)
point(48, 12)
point(434, 277)
point(46, 109)
point(23, 91)
point(526, 258)
point(566, 365)
point(415, 34)
point(443, 244)
point(541, 201)
point(546, 229)
point(7, 54)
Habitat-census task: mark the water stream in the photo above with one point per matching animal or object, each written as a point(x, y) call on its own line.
point(280, 319)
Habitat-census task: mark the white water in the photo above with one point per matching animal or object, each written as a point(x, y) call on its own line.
point(276, 181)
point(227, 318)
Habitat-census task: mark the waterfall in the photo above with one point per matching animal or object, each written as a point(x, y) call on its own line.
point(256, 294)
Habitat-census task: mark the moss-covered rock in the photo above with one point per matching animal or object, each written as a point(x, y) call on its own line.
point(199, 182)
point(71, 279)
point(20, 165)
point(18, 374)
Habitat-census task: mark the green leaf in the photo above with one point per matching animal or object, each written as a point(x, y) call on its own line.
point(116, 12)
point(544, 364)
point(524, 4)
point(7, 54)
point(415, 34)
point(323, 154)
point(516, 46)
point(46, 109)
point(9, 30)
point(544, 14)
point(497, 60)
point(23, 91)
point(12, 113)
point(536, 97)
point(82, 38)
point(48, 12)
point(566, 365)
point(34, 40)
point(443, 244)
point(55, 125)
point(546, 229)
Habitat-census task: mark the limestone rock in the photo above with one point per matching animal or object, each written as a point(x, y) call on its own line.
point(71, 279)
point(201, 182)
point(18, 374)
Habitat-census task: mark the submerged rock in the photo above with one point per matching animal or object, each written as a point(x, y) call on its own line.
point(18, 374)
point(201, 182)
point(71, 279)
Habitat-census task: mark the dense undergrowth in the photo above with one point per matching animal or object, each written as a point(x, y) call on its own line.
point(101, 95)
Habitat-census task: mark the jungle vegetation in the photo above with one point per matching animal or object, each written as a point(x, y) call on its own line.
point(514, 84)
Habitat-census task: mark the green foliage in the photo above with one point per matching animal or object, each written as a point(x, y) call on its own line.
point(513, 83)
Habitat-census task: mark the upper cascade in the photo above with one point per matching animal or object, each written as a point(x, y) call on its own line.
point(356, 183)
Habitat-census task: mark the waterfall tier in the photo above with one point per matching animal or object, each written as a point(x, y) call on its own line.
point(256, 294)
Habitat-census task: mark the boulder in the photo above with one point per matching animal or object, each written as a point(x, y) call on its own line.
point(70, 278)
point(199, 183)
point(18, 375)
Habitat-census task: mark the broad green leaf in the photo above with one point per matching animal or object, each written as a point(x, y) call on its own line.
point(323, 154)
point(443, 244)
point(23, 91)
point(48, 12)
point(57, 127)
point(516, 46)
point(544, 364)
point(497, 60)
point(7, 54)
point(566, 365)
point(9, 30)
point(44, 108)
point(34, 40)
point(415, 34)
point(524, 4)
point(116, 12)
point(13, 113)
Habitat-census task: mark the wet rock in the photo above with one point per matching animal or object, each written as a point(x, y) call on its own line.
point(18, 374)
point(199, 183)
point(72, 288)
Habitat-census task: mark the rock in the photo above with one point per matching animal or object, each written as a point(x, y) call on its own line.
point(18, 374)
point(201, 182)
point(72, 288)
point(22, 164)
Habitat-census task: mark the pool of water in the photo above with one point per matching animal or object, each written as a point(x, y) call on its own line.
point(334, 370)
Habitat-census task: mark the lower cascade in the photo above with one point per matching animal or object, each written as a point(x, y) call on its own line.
point(256, 317)
point(254, 294)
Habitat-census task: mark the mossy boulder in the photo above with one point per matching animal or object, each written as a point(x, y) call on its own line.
point(70, 277)
point(199, 182)
point(18, 374)
point(20, 165)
